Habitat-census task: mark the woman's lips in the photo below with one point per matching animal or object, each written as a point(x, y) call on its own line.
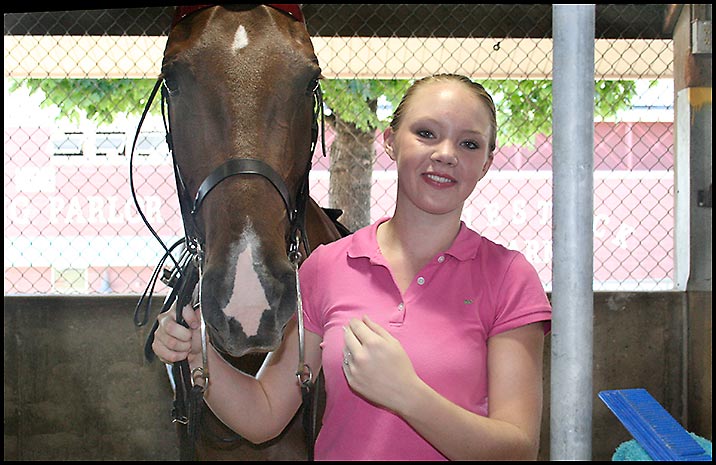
point(439, 180)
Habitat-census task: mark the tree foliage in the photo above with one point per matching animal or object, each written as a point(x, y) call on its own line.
point(524, 107)
point(355, 100)
point(99, 100)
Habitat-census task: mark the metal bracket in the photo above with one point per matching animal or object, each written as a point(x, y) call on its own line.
point(704, 198)
point(701, 37)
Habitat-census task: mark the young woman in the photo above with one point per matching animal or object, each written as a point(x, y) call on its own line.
point(430, 336)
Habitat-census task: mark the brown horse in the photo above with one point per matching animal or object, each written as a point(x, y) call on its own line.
point(240, 82)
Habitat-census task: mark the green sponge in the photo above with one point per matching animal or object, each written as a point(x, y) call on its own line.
point(632, 451)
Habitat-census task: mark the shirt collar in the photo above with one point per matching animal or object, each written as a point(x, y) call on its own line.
point(365, 243)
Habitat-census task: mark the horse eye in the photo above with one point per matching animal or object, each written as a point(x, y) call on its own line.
point(313, 85)
point(171, 85)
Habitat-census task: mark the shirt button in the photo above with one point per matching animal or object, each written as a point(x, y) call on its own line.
point(401, 307)
point(421, 281)
point(441, 258)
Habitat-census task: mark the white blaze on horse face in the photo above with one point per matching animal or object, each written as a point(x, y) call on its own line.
point(248, 300)
point(241, 39)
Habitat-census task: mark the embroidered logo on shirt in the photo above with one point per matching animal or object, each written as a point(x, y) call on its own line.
point(467, 301)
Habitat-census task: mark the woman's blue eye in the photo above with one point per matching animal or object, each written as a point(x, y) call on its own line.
point(425, 133)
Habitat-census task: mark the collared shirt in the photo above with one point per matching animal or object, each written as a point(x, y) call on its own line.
point(463, 296)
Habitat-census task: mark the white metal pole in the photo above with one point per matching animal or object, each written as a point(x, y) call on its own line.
point(572, 235)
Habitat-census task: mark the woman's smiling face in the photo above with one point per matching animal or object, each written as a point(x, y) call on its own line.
point(441, 147)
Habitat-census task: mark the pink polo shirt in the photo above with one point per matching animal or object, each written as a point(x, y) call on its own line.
point(472, 291)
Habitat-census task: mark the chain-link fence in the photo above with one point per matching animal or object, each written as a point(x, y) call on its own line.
point(72, 101)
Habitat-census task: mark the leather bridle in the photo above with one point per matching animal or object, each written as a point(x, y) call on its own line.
point(295, 204)
point(295, 207)
point(187, 270)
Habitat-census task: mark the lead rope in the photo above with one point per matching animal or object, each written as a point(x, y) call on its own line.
point(198, 389)
point(304, 374)
point(309, 387)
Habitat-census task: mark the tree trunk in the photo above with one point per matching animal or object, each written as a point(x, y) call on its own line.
point(352, 156)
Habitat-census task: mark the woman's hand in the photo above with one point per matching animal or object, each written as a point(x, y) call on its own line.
point(174, 342)
point(376, 365)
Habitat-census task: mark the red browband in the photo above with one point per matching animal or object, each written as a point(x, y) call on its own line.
point(293, 10)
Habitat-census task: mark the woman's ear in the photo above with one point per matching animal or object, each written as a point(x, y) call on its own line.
point(487, 165)
point(388, 139)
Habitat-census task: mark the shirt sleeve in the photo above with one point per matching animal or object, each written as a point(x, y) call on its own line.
point(521, 298)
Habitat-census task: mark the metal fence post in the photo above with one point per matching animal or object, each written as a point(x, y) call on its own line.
point(572, 294)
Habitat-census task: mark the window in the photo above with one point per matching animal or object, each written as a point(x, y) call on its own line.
point(109, 143)
point(152, 144)
point(68, 144)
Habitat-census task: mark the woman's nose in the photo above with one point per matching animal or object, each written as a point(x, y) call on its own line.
point(445, 153)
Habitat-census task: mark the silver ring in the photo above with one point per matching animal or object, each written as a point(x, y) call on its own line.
point(346, 358)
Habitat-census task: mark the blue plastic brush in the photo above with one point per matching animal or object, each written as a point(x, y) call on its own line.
point(661, 436)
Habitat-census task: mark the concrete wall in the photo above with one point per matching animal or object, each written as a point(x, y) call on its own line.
point(76, 383)
point(638, 343)
point(76, 386)
point(699, 387)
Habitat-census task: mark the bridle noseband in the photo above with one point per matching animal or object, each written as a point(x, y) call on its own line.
point(236, 166)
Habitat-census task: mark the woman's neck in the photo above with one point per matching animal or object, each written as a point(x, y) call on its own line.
point(421, 236)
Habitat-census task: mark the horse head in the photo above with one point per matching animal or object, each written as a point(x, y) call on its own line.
point(239, 81)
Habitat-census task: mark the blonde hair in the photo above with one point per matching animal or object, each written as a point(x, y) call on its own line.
point(474, 86)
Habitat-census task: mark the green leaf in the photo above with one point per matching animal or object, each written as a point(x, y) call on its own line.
point(524, 107)
point(99, 99)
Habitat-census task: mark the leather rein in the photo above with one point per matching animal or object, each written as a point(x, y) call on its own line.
point(187, 270)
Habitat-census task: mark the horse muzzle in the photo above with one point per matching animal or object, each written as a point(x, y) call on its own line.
point(249, 313)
